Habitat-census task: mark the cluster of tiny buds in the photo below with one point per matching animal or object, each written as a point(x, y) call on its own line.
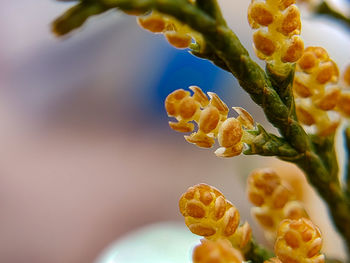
point(299, 241)
point(207, 213)
point(278, 25)
point(317, 91)
point(273, 200)
point(211, 117)
point(178, 34)
point(218, 251)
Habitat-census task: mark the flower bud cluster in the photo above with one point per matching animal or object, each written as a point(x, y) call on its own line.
point(219, 251)
point(211, 117)
point(299, 241)
point(316, 90)
point(277, 24)
point(177, 34)
point(273, 201)
point(209, 214)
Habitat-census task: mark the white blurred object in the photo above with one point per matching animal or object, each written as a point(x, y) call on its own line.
point(164, 242)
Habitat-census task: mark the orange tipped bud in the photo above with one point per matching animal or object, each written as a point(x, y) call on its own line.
point(299, 241)
point(207, 213)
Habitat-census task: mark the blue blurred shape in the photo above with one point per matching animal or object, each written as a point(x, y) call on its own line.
point(183, 70)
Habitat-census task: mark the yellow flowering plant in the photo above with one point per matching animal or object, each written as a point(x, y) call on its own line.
point(302, 93)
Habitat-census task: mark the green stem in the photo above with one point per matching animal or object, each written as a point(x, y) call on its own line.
point(212, 8)
point(325, 149)
point(208, 53)
point(257, 253)
point(267, 144)
point(330, 190)
point(76, 16)
point(283, 84)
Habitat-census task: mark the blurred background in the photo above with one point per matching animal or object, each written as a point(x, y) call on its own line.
point(87, 156)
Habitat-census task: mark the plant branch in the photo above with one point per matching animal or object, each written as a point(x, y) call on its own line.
point(230, 51)
point(324, 147)
point(76, 16)
point(267, 144)
point(212, 8)
point(256, 253)
point(283, 84)
point(274, 97)
point(330, 190)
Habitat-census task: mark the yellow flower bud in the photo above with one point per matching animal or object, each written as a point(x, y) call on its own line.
point(244, 118)
point(154, 23)
point(218, 103)
point(199, 96)
point(173, 99)
point(178, 40)
point(329, 100)
point(242, 237)
point(265, 187)
point(319, 52)
point(283, 4)
point(263, 43)
point(327, 72)
point(207, 213)
point(260, 14)
point(291, 21)
point(315, 94)
point(230, 134)
point(273, 200)
point(304, 115)
point(178, 34)
point(278, 24)
point(200, 139)
point(299, 241)
point(308, 60)
point(294, 48)
point(300, 89)
point(180, 105)
point(211, 117)
point(219, 251)
point(181, 126)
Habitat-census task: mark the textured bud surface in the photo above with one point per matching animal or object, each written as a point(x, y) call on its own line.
point(274, 201)
point(316, 91)
point(277, 25)
point(178, 34)
point(299, 241)
point(219, 251)
point(178, 40)
point(242, 237)
point(211, 118)
point(207, 213)
point(154, 23)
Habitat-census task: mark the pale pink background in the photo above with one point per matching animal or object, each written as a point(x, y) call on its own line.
point(78, 167)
